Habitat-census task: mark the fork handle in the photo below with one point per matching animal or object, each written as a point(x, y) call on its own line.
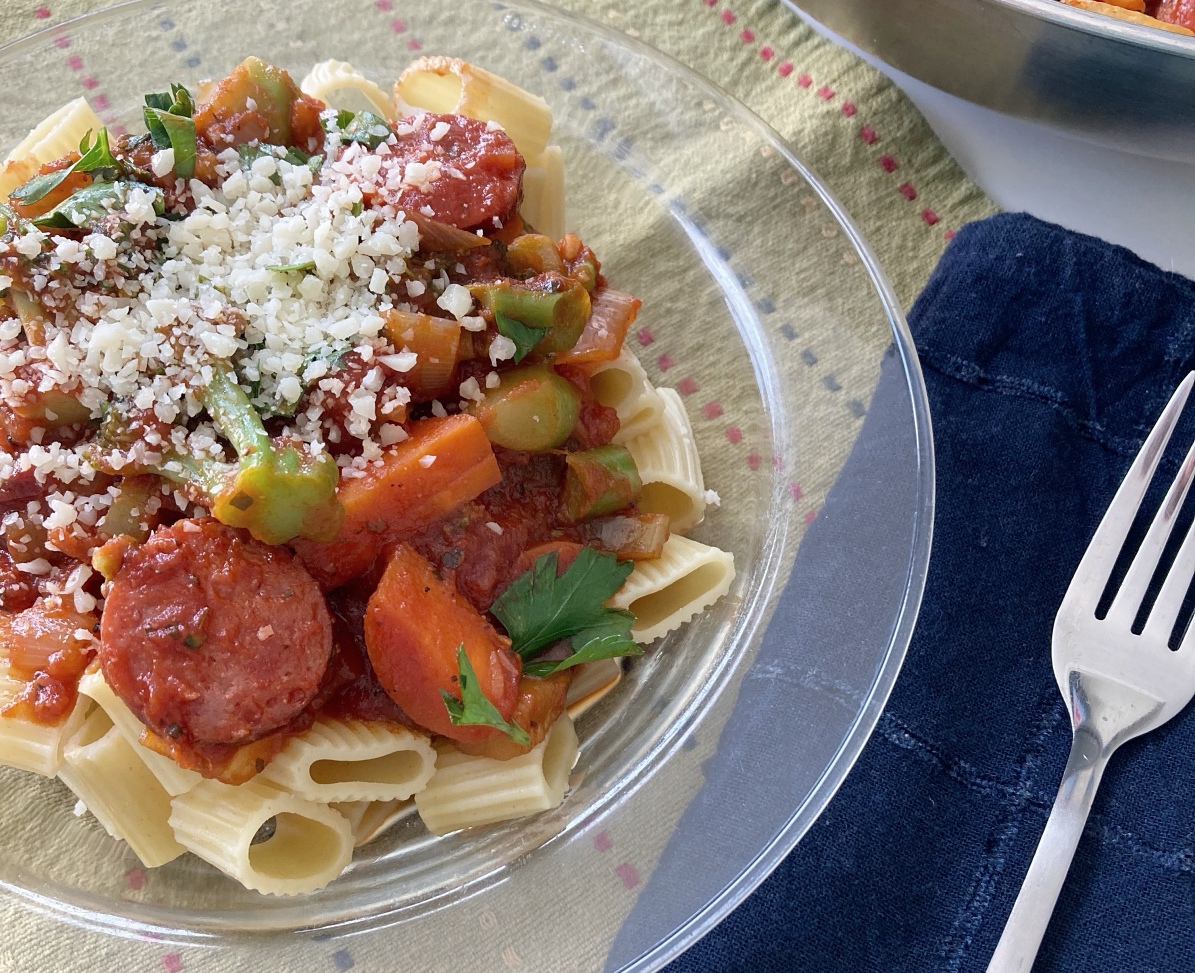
point(1026, 925)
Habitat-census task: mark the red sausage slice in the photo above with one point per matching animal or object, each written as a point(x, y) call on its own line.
point(466, 172)
point(212, 637)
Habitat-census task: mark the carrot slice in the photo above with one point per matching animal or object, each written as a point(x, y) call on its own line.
point(444, 464)
point(414, 624)
point(541, 701)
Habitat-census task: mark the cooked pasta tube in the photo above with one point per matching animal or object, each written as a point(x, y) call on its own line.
point(543, 193)
point(341, 85)
point(173, 778)
point(100, 766)
point(53, 138)
point(369, 819)
point(591, 683)
point(448, 85)
point(666, 593)
point(354, 760)
point(623, 386)
point(264, 838)
point(666, 455)
point(31, 746)
point(468, 791)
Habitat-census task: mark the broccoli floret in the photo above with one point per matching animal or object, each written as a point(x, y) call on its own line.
point(277, 490)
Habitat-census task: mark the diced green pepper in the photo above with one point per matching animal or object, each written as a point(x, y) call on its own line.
point(597, 482)
point(271, 91)
point(531, 409)
point(550, 303)
point(534, 253)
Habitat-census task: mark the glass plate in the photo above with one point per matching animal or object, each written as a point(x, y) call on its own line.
point(765, 309)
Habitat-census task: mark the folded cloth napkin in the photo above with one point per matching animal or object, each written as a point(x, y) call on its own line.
point(1047, 356)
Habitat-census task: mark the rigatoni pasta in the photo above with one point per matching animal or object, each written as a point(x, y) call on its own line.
point(666, 593)
point(174, 779)
point(543, 193)
point(666, 456)
point(623, 385)
point(448, 85)
point(468, 791)
point(56, 136)
point(34, 747)
point(340, 85)
point(266, 839)
point(102, 769)
point(354, 760)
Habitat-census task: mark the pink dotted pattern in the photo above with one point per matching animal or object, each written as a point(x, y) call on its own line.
point(850, 109)
point(172, 963)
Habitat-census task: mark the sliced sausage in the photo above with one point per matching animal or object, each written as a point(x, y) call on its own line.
point(466, 174)
point(212, 637)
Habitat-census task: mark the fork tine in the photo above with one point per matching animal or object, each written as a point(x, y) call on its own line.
point(1095, 568)
point(1132, 591)
point(1165, 611)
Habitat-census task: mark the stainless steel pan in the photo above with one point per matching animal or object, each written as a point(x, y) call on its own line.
point(1113, 82)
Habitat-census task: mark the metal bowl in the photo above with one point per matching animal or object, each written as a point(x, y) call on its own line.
point(1112, 82)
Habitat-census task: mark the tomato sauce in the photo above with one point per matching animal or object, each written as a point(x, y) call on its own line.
point(478, 558)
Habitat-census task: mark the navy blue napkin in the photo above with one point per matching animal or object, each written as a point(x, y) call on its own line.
point(1047, 355)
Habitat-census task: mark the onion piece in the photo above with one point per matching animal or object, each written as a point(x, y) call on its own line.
point(633, 537)
point(610, 318)
point(437, 237)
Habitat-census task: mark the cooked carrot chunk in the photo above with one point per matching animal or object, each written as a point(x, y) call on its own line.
point(444, 464)
point(414, 624)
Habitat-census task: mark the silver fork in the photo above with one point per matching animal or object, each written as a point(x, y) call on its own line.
point(1117, 685)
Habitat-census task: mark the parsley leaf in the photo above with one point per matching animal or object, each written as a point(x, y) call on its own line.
point(168, 116)
point(606, 647)
point(92, 158)
point(473, 709)
point(364, 126)
point(525, 338)
point(539, 608)
point(91, 203)
point(253, 151)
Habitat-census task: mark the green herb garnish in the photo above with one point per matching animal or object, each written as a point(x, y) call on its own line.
point(92, 158)
point(473, 708)
point(300, 265)
point(539, 608)
point(364, 126)
point(607, 647)
point(296, 157)
point(94, 202)
point(524, 337)
point(168, 116)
